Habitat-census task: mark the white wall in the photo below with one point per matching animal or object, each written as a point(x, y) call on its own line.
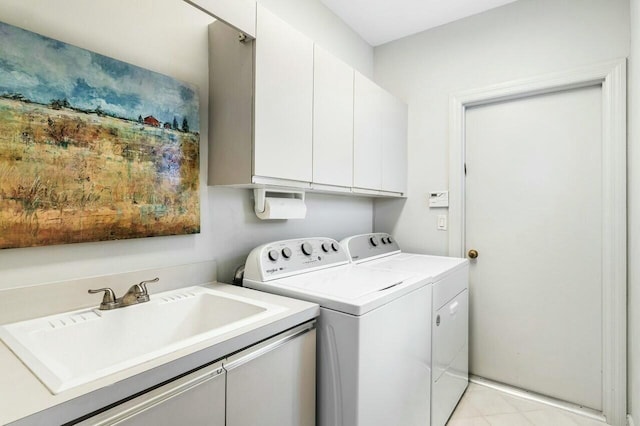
point(633, 152)
point(522, 39)
point(170, 37)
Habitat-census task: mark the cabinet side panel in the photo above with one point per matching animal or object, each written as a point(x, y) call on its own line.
point(230, 106)
point(237, 13)
point(394, 145)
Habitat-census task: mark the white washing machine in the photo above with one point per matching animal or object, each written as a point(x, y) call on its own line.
point(450, 312)
point(374, 330)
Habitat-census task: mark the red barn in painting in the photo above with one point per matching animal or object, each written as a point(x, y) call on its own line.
point(151, 121)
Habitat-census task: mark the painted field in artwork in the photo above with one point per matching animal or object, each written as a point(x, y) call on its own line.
point(91, 148)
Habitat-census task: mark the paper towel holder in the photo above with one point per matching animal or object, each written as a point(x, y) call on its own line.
point(261, 194)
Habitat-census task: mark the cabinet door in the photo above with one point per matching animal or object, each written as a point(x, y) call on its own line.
point(273, 384)
point(332, 120)
point(367, 134)
point(283, 100)
point(197, 399)
point(394, 144)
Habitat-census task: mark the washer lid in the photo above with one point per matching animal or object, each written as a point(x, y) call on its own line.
point(351, 288)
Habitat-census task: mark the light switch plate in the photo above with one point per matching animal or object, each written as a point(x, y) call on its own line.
point(442, 222)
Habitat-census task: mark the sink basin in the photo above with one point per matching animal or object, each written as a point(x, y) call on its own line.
point(74, 348)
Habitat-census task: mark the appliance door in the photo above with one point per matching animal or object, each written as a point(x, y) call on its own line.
point(375, 369)
point(450, 356)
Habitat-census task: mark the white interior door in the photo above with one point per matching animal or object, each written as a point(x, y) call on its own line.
point(533, 211)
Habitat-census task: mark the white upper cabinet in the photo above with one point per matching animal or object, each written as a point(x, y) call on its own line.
point(285, 112)
point(394, 144)
point(379, 139)
point(283, 100)
point(332, 120)
point(367, 134)
point(260, 104)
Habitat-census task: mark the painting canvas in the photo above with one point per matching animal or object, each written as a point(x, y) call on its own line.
point(92, 148)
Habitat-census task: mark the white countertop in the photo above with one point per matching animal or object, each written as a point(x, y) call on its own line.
point(25, 400)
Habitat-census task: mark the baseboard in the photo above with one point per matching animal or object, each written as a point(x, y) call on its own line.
point(630, 420)
point(542, 399)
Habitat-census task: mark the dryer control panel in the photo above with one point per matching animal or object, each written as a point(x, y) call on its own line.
point(281, 259)
point(364, 247)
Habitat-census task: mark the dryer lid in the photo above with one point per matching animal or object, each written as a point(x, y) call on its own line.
point(435, 267)
point(351, 289)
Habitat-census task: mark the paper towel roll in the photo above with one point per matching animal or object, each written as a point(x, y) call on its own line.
point(283, 208)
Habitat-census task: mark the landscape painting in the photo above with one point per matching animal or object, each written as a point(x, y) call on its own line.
point(92, 148)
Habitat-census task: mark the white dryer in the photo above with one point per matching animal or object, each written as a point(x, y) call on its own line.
point(374, 358)
point(450, 311)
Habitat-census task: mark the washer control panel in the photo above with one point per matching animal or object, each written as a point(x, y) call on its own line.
point(289, 257)
point(365, 246)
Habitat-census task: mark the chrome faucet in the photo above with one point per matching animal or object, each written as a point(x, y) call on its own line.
point(137, 293)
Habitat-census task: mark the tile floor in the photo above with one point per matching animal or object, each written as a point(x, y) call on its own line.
point(483, 406)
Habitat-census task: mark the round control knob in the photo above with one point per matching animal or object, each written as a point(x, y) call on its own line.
point(273, 255)
point(286, 252)
point(326, 247)
point(389, 240)
point(334, 246)
point(384, 240)
point(306, 248)
point(373, 241)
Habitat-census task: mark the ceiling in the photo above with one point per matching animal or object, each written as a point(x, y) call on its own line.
point(381, 21)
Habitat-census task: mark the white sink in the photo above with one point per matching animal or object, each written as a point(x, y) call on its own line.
point(77, 347)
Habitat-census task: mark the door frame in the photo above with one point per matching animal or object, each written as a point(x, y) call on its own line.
point(611, 77)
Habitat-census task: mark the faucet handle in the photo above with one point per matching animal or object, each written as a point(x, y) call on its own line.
point(143, 285)
point(108, 300)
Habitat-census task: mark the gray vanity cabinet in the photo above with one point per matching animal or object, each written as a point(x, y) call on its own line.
point(197, 399)
point(274, 383)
